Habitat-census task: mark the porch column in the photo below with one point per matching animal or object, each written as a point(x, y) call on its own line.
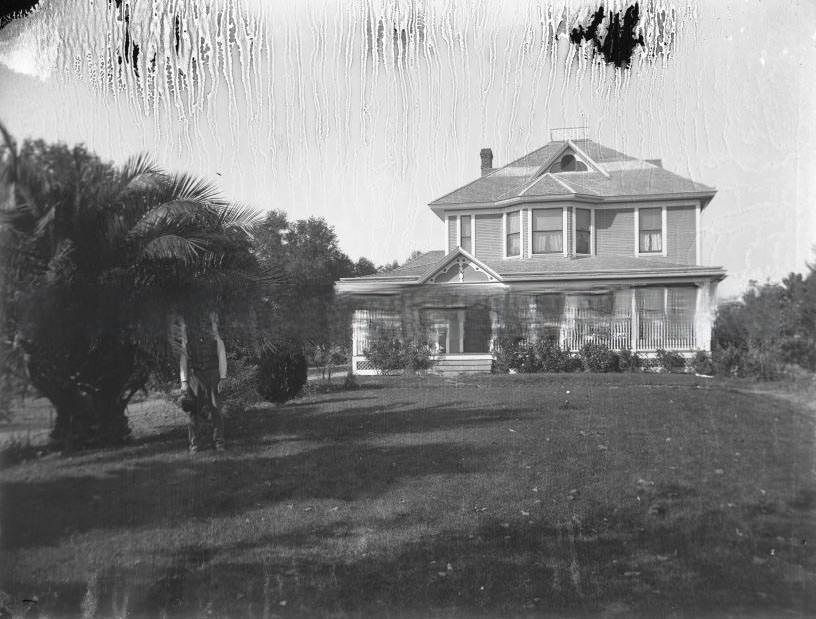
point(634, 331)
point(704, 315)
point(494, 324)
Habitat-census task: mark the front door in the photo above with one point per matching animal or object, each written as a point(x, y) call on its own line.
point(477, 330)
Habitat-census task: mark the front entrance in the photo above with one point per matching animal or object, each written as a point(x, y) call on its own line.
point(454, 331)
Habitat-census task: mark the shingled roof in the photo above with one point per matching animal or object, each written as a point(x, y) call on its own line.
point(540, 268)
point(610, 175)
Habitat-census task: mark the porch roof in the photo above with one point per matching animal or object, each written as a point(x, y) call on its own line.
point(538, 268)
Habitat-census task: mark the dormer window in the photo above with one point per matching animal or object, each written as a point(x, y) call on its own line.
point(548, 232)
point(513, 238)
point(568, 163)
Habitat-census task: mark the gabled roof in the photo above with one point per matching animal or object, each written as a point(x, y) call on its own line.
point(611, 175)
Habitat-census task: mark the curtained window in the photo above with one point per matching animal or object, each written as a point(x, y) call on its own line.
point(548, 233)
point(651, 230)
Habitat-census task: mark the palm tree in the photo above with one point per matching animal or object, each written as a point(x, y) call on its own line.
point(96, 259)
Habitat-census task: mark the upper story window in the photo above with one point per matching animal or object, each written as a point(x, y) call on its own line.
point(583, 234)
point(650, 230)
point(548, 231)
point(513, 234)
point(465, 238)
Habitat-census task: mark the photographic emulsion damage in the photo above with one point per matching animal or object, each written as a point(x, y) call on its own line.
point(422, 308)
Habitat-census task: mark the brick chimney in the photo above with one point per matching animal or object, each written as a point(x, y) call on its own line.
point(487, 161)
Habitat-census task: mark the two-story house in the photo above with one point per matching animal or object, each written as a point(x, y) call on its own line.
point(573, 241)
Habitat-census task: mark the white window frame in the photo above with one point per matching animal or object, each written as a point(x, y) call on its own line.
point(472, 249)
point(698, 235)
point(663, 232)
point(447, 234)
point(521, 234)
point(564, 235)
point(575, 230)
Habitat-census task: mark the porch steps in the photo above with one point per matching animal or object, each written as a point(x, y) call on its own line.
point(463, 364)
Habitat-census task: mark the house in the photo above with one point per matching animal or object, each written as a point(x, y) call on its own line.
point(573, 241)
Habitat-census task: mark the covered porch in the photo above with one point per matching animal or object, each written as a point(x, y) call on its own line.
point(463, 332)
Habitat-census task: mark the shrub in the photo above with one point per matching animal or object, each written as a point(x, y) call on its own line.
point(350, 382)
point(629, 361)
point(670, 360)
point(418, 357)
point(504, 355)
point(702, 363)
point(572, 363)
point(550, 357)
point(385, 353)
point(240, 389)
point(597, 357)
point(281, 373)
point(764, 363)
point(729, 361)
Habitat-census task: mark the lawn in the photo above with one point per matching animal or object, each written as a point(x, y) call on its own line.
point(647, 495)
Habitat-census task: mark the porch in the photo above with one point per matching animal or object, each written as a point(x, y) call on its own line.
point(463, 330)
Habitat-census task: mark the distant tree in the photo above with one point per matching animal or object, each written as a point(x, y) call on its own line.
point(364, 266)
point(387, 267)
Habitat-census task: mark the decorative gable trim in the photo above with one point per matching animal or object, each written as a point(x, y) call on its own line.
point(459, 259)
point(570, 145)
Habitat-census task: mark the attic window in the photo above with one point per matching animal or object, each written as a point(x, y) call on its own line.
point(568, 163)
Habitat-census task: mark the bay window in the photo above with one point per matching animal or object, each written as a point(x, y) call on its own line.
point(582, 231)
point(548, 231)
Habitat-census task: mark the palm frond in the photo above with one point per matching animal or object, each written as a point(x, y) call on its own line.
point(173, 247)
point(190, 188)
point(238, 216)
point(176, 214)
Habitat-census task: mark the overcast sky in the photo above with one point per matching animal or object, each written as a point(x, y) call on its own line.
point(297, 106)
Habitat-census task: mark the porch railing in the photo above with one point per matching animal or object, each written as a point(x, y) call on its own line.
point(615, 331)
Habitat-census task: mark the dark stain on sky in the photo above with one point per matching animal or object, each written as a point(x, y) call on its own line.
point(619, 41)
point(13, 9)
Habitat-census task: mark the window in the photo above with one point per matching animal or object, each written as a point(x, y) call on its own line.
point(548, 233)
point(514, 234)
point(650, 223)
point(465, 240)
point(582, 233)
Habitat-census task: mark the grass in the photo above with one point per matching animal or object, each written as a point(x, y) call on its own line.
point(581, 494)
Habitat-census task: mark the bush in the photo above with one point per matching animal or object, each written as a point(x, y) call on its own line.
point(702, 363)
point(418, 357)
point(670, 360)
point(240, 389)
point(281, 373)
point(763, 363)
point(504, 355)
point(729, 361)
point(550, 357)
point(629, 361)
point(597, 357)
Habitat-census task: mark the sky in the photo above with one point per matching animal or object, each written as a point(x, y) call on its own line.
point(300, 106)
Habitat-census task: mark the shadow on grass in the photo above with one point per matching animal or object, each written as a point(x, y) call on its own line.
point(610, 562)
point(321, 456)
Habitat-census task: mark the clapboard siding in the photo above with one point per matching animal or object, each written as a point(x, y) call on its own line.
point(681, 235)
point(452, 233)
point(614, 232)
point(568, 241)
point(489, 237)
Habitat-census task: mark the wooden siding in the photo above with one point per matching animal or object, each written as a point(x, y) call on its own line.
point(489, 237)
point(681, 235)
point(615, 232)
point(452, 233)
point(568, 241)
